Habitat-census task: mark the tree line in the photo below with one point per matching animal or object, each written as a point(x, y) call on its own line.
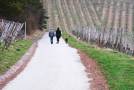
point(30, 11)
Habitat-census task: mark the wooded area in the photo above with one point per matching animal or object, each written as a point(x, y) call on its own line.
point(30, 11)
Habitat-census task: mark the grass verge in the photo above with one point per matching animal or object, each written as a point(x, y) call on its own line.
point(118, 68)
point(13, 54)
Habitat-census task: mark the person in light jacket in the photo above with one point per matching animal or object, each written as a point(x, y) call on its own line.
point(51, 35)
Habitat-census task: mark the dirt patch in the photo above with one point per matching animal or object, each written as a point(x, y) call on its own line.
point(98, 81)
point(18, 67)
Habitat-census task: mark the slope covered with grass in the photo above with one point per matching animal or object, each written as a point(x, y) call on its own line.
point(13, 54)
point(118, 68)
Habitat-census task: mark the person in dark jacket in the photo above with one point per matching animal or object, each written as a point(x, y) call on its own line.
point(51, 35)
point(58, 34)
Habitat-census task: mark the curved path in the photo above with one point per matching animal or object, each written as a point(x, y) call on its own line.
point(53, 67)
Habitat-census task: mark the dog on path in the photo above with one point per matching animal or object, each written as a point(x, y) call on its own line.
point(66, 40)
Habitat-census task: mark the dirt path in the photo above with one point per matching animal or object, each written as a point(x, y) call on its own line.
point(53, 67)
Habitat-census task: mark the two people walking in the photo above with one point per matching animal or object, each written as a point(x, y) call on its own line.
point(57, 34)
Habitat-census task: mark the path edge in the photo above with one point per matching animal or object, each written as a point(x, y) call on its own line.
point(98, 80)
point(18, 67)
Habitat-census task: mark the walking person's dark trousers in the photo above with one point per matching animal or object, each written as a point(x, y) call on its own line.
point(58, 39)
point(51, 40)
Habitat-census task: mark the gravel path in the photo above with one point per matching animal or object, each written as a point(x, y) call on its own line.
point(53, 67)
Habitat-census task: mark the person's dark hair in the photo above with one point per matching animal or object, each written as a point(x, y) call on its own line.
point(58, 28)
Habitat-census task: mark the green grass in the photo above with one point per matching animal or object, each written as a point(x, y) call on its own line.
point(13, 54)
point(118, 68)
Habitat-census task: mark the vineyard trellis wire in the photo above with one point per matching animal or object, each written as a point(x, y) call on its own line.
point(118, 39)
point(9, 31)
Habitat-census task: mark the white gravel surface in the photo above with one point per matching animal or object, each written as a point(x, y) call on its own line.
point(53, 67)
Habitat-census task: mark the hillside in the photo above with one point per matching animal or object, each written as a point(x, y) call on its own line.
point(107, 23)
point(95, 51)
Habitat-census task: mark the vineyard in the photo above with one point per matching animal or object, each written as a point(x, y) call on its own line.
point(107, 23)
point(9, 31)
